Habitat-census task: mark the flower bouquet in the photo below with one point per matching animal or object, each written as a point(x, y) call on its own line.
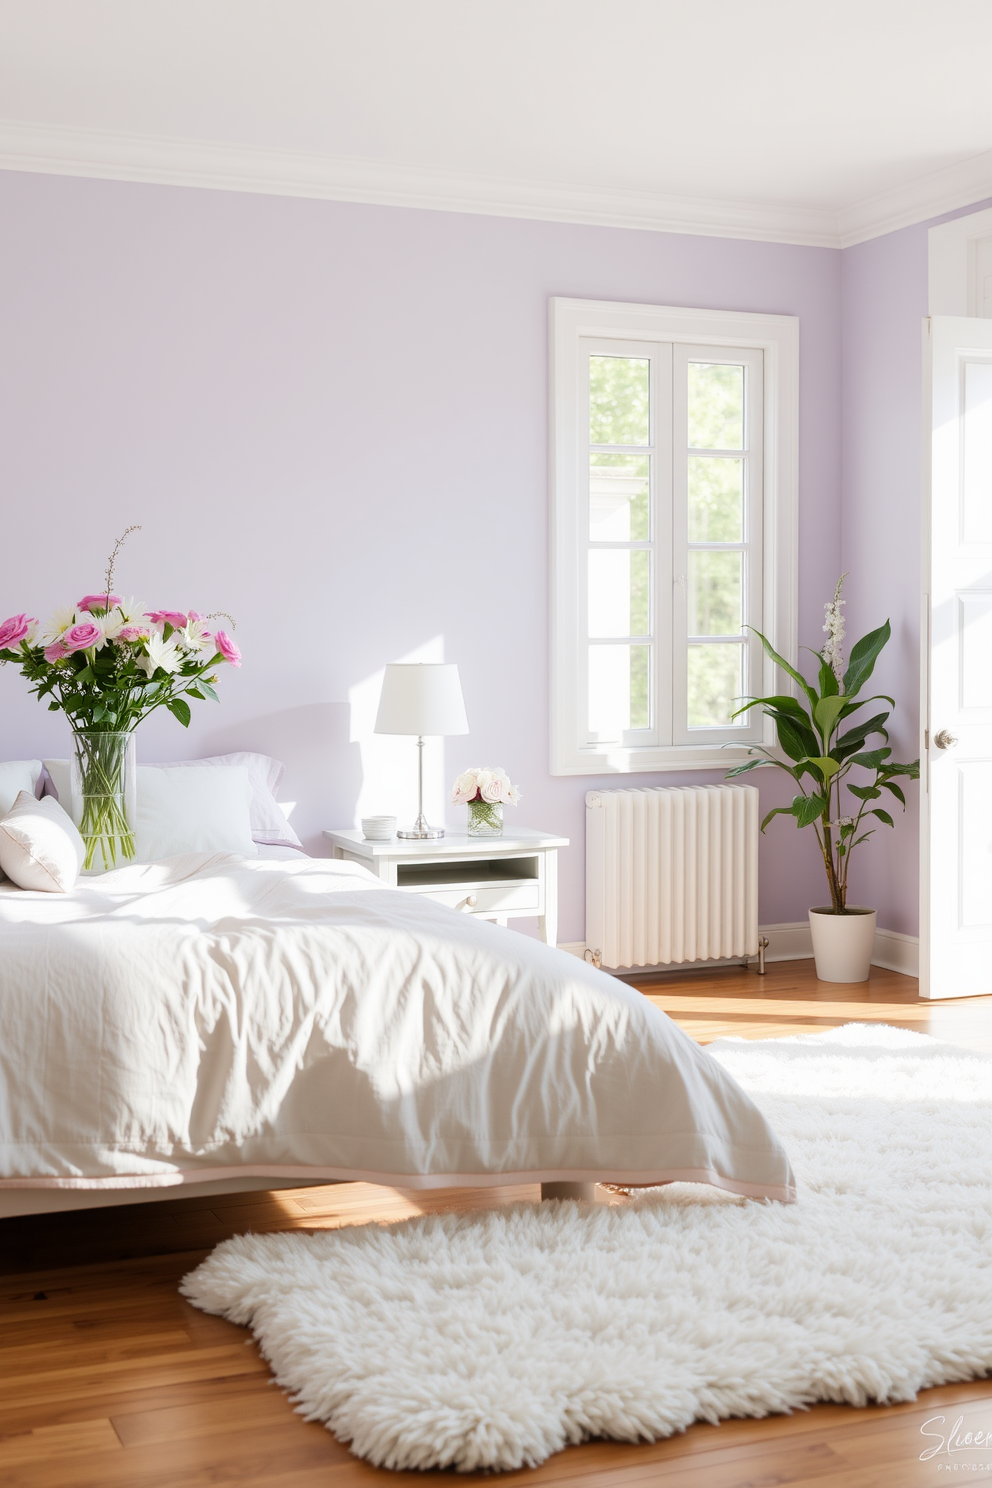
point(107, 662)
point(484, 792)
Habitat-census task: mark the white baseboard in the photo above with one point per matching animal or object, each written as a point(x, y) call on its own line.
point(792, 942)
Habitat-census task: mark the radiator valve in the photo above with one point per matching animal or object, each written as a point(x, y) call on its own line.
point(595, 958)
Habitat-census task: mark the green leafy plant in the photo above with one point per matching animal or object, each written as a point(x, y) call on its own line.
point(822, 743)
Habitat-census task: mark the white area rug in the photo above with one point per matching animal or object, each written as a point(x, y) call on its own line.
point(493, 1339)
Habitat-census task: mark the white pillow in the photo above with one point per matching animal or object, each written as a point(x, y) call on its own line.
point(203, 809)
point(17, 776)
point(40, 847)
point(268, 821)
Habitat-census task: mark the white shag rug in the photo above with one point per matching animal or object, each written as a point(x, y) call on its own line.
point(495, 1338)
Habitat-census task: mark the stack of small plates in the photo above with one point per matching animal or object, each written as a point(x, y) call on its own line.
point(378, 828)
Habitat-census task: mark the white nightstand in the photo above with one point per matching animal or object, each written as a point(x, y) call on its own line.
point(496, 878)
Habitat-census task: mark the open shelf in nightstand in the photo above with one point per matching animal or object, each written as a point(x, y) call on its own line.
point(476, 871)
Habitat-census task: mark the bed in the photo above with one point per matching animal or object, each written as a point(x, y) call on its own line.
point(232, 1022)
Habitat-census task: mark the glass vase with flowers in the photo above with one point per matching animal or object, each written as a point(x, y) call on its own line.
point(106, 663)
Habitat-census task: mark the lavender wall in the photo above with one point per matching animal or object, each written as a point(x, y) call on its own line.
point(884, 300)
point(332, 421)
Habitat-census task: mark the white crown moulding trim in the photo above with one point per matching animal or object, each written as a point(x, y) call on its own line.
point(224, 167)
point(209, 165)
point(927, 196)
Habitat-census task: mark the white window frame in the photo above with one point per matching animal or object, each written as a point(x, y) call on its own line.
point(777, 338)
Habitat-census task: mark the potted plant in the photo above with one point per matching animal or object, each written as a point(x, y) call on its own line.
point(821, 743)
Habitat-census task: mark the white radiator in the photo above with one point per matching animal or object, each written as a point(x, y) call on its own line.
point(672, 874)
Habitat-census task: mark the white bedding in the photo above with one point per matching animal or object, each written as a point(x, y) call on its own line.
point(212, 1017)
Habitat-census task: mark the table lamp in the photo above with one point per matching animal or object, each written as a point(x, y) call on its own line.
point(421, 697)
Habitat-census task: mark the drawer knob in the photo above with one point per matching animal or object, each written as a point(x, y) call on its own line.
point(469, 903)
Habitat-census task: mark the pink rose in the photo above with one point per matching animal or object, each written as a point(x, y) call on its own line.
point(175, 618)
point(227, 648)
point(14, 630)
point(132, 633)
point(82, 637)
point(90, 602)
point(56, 651)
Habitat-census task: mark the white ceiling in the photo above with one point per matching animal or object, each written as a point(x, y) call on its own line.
point(819, 121)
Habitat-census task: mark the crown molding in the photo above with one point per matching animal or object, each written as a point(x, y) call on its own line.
point(927, 196)
point(223, 167)
point(213, 166)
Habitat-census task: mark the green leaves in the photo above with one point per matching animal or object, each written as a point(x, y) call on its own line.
point(826, 713)
point(753, 764)
point(864, 654)
point(826, 765)
point(179, 708)
point(882, 816)
point(806, 809)
point(790, 671)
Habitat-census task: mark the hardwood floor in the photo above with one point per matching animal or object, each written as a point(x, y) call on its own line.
point(109, 1380)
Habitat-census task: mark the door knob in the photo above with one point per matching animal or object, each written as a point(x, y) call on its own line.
point(944, 740)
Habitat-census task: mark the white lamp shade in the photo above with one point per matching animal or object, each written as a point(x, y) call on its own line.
point(421, 698)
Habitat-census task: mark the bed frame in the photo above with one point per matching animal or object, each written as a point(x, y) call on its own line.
point(14, 1201)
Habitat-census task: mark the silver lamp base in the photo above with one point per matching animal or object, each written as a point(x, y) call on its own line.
point(421, 834)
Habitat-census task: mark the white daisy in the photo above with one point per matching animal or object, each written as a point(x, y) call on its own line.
point(60, 622)
point(164, 654)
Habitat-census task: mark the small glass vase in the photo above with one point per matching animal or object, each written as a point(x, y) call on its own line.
point(103, 788)
point(485, 818)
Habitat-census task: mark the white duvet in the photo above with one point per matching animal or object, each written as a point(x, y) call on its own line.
point(211, 1016)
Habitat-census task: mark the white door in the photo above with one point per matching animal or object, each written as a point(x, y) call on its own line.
point(956, 761)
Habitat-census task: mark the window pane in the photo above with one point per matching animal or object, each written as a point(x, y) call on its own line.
point(618, 592)
point(714, 593)
point(715, 685)
point(619, 695)
point(619, 488)
point(716, 406)
point(716, 499)
point(619, 400)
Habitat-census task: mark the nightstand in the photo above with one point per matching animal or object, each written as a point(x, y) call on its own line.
point(495, 878)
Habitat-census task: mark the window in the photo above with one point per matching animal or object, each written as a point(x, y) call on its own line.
point(674, 531)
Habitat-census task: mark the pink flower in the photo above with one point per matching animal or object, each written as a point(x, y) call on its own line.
point(82, 637)
point(15, 630)
point(56, 651)
point(227, 648)
point(90, 602)
point(175, 618)
point(132, 633)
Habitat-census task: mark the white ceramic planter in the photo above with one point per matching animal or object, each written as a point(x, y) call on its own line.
point(842, 944)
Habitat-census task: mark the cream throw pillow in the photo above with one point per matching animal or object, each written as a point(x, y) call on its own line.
point(40, 847)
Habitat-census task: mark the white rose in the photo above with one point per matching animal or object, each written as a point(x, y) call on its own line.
point(464, 787)
point(495, 787)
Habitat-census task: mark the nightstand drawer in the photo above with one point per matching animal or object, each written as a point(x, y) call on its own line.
point(489, 898)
